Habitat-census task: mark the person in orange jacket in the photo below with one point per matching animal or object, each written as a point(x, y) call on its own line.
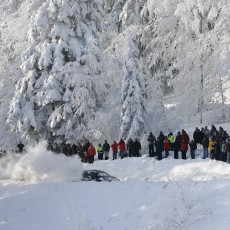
point(121, 146)
point(167, 146)
point(91, 152)
point(183, 149)
point(114, 147)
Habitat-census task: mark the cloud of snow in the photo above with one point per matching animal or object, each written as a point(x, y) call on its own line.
point(38, 164)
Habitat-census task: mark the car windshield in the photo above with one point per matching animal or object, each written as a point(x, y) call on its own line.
point(103, 174)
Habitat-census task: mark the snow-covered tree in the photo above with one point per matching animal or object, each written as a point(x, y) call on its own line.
point(200, 57)
point(132, 115)
point(58, 66)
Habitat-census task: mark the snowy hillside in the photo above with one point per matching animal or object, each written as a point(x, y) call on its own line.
point(108, 69)
point(43, 191)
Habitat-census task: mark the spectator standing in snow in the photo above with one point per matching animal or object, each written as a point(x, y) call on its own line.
point(167, 146)
point(211, 146)
point(213, 132)
point(184, 144)
point(198, 136)
point(217, 147)
point(106, 148)
point(91, 152)
point(171, 140)
point(193, 147)
point(114, 147)
point(20, 147)
point(223, 154)
point(100, 151)
point(121, 146)
point(130, 147)
point(151, 139)
point(159, 149)
point(183, 149)
point(206, 131)
point(176, 145)
point(228, 150)
point(205, 143)
point(84, 151)
point(136, 148)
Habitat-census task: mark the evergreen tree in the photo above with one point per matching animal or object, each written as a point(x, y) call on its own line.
point(52, 98)
point(132, 118)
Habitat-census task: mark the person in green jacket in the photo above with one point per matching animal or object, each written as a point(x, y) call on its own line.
point(171, 140)
point(100, 151)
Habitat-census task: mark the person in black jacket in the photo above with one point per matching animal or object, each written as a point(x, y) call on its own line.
point(106, 148)
point(84, 150)
point(20, 147)
point(159, 148)
point(151, 139)
point(136, 148)
point(205, 143)
point(198, 136)
point(193, 147)
point(130, 147)
point(176, 146)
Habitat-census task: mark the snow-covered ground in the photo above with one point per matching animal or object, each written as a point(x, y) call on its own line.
point(42, 191)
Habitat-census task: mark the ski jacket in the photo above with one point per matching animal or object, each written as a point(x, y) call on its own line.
point(121, 145)
point(99, 148)
point(176, 145)
point(166, 145)
point(212, 144)
point(91, 151)
point(114, 147)
point(185, 138)
point(171, 138)
point(136, 146)
point(183, 146)
point(205, 142)
point(151, 139)
point(106, 147)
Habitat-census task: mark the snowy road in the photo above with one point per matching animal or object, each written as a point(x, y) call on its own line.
point(171, 194)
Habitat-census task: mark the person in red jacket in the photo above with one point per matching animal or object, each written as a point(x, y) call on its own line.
point(167, 146)
point(185, 137)
point(184, 141)
point(183, 149)
point(91, 152)
point(121, 146)
point(114, 147)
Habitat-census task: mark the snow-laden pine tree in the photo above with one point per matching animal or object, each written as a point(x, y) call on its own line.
point(132, 112)
point(56, 97)
point(200, 60)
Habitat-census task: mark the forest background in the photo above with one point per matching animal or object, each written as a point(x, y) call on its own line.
point(106, 69)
